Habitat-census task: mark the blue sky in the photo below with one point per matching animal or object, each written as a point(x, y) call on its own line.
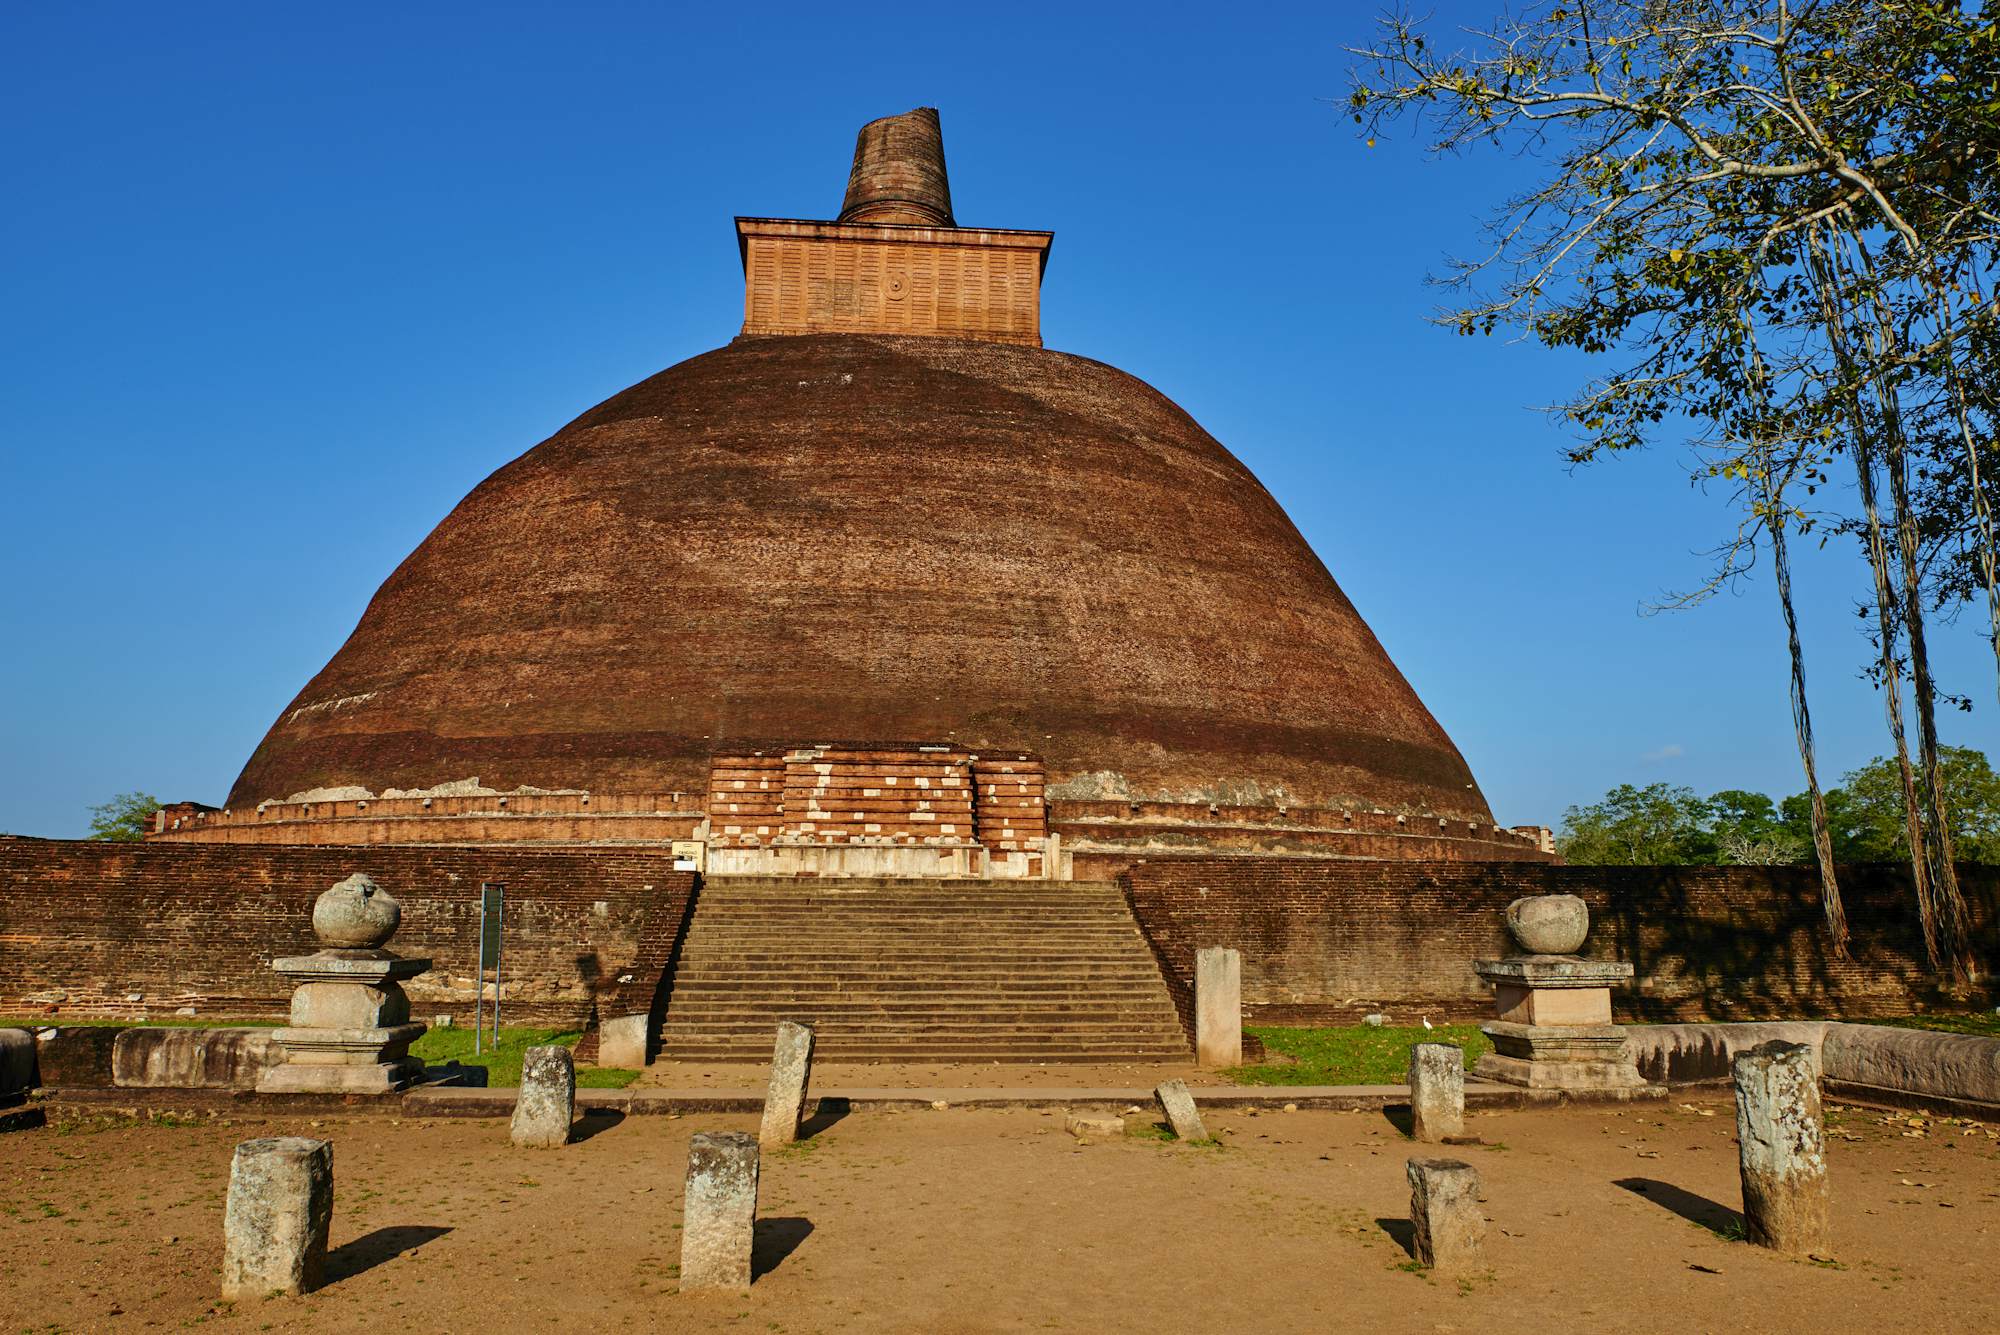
point(278, 286)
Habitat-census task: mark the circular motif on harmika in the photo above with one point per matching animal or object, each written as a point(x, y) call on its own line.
point(896, 285)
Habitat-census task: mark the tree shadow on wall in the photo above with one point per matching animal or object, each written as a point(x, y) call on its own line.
point(1742, 942)
point(372, 1249)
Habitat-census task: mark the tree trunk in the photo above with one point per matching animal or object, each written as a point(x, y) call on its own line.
point(1886, 599)
point(1829, 886)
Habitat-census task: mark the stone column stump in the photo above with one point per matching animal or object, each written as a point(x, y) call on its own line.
point(275, 1223)
point(1218, 1007)
point(1444, 1211)
point(791, 1081)
point(1178, 1104)
point(1437, 1091)
point(547, 1103)
point(719, 1213)
point(1781, 1150)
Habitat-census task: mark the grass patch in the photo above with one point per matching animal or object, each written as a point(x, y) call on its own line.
point(1984, 1024)
point(503, 1063)
point(1352, 1054)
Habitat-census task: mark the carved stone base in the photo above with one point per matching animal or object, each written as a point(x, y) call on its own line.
point(344, 1061)
point(1572, 1057)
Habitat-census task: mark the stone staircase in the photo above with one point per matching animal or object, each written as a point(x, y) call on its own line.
point(919, 971)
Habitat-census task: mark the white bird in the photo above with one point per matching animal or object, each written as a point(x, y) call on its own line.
point(1427, 1022)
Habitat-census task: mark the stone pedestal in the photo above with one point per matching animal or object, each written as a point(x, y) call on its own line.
point(350, 1030)
point(1552, 1009)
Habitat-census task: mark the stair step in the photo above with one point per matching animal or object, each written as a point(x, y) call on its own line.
point(919, 970)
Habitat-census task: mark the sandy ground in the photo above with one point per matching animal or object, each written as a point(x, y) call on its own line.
point(828, 1075)
point(963, 1221)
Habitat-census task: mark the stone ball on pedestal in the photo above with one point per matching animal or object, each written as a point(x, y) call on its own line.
point(356, 914)
point(1549, 924)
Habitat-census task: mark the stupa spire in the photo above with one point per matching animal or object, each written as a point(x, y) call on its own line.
point(898, 174)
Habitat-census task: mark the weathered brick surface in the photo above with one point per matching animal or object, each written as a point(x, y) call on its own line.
point(1324, 940)
point(195, 924)
point(830, 537)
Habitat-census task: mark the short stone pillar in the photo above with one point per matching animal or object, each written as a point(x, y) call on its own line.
point(1437, 1091)
point(1552, 1027)
point(1218, 1006)
point(546, 1104)
point(719, 1212)
point(1178, 1104)
point(1781, 1150)
point(791, 1080)
point(1445, 1213)
point(351, 1030)
point(274, 1225)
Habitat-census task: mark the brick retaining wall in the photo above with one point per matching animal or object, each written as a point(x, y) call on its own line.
point(1330, 941)
point(198, 924)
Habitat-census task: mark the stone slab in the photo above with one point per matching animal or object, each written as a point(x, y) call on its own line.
point(1218, 1006)
point(374, 1078)
point(1086, 1124)
point(223, 1058)
point(1554, 971)
point(622, 1041)
point(348, 967)
point(1575, 1077)
point(1177, 1103)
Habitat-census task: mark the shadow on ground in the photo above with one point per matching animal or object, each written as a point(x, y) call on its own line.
point(1711, 1215)
point(594, 1122)
point(1401, 1232)
point(372, 1249)
point(775, 1240)
point(825, 1113)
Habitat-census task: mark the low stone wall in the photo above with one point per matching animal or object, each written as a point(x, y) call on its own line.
point(193, 1058)
point(127, 930)
point(1327, 942)
point(1704, 1054)
point(1867, 1062)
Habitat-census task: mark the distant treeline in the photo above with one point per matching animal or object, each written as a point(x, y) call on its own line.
point(1668, 824)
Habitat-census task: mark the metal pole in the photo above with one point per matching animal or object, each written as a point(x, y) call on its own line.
point(499, 949)
point(479, 978)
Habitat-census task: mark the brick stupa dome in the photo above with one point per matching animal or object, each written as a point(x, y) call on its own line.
point(884, 516)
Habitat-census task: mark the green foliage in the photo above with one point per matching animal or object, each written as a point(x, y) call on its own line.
point(1872, 810)
point(503, 1065)
point(1665, 825)
point(124, 818)
point(1352, 1054)
point(1658, 825)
